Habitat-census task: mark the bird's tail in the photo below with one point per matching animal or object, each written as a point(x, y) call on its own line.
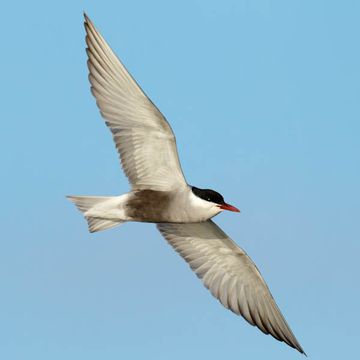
point(94, 208)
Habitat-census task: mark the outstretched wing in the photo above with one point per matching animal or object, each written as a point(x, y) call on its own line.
point(143, 137)
point(230, 275)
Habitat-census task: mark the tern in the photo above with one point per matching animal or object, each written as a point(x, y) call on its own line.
point(160, 194)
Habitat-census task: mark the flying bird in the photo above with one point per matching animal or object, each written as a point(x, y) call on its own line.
point(160, 194)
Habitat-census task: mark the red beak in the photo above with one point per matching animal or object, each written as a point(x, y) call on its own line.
point(228, 207)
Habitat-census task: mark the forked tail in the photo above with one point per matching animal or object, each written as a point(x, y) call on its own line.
point(92, 208)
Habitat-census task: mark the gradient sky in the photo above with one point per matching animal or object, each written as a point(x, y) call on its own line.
point(263, 97)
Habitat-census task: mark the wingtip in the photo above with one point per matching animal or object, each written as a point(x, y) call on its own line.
point(300, 349)
point(87, 21)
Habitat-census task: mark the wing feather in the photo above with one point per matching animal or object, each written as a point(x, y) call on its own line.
point(230, 275)
point(144, 139)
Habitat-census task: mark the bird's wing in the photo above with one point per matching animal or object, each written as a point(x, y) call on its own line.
point(143, 138)
point(229, 274)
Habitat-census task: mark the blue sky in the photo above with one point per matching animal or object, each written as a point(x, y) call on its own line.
point(264, 99)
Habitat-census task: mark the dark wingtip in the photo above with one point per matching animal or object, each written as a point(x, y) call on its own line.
point(87, 20)
point(299, 349)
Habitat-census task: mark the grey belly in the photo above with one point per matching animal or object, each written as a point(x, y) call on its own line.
point(150, 206)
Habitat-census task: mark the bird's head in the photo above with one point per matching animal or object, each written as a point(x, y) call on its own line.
point(213, 197)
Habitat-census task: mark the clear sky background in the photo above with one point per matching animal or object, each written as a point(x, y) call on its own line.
point(263, 97)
